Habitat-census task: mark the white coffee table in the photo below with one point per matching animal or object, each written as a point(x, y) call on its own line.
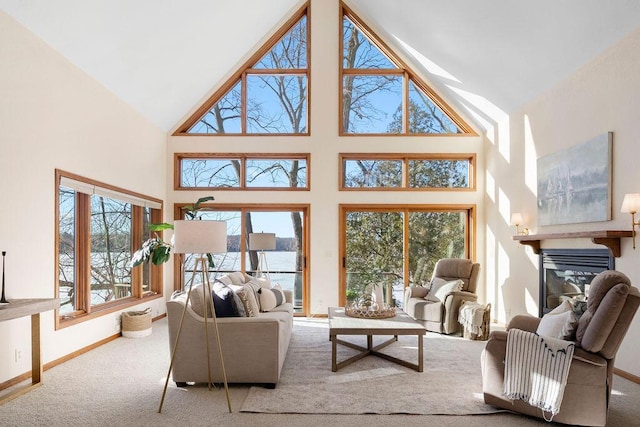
point(401, 324)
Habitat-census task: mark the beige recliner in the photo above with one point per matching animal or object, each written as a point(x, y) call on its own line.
point(441, 315)
point(611, 305)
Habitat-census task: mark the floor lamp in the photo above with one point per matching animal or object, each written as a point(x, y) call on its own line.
point(200, 237)
point(262, 242)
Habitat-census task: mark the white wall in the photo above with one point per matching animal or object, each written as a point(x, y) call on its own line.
point(600, 97)
point(324, 146)
point(52, 115)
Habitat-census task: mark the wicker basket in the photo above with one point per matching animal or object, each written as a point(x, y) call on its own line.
point(484, 329)
point(136, 324)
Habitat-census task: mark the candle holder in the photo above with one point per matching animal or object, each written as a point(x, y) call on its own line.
point(3, 300)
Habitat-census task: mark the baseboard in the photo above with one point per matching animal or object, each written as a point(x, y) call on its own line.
point(626, 375)
point(13, 381)
point(25, 376)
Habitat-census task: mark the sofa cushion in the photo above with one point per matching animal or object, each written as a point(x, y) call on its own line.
point(423, 309)
point(441, 288)
point(271, 298)
point(558, 323)
point(237, 278)
point(225, 279)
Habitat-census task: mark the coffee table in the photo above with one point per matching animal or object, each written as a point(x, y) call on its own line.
point(401, 324)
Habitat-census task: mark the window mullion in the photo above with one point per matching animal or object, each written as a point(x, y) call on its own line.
point(83, 254)
point(405, 103)
point(136, 240)
point(243, 104)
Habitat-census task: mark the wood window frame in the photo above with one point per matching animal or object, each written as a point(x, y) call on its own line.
point(403, 70)
point(470, 238)
point(83, 252)
point(405, 158)
point(243, 208)
point(242, 157)
point(247, 69)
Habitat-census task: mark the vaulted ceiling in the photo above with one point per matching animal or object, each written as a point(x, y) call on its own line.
point(488, 56)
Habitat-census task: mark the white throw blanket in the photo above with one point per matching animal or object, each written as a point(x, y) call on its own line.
point(536, 369)
point(471, 317)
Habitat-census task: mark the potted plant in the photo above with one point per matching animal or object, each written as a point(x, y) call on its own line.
point(158, 251)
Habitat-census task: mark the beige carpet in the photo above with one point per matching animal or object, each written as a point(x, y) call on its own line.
point(120, 384)
point(450, 384)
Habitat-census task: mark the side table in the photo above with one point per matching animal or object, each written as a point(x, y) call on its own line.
point(29, 307)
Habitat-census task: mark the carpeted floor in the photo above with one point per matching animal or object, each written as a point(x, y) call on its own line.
point(450, 384)
point(120, 384)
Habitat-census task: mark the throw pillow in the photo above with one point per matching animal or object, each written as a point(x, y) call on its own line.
point(270, 298)
point(237, 301)
point(263, 283)
point(249, 302)
point(223, 301)
point(559, 323)
point(196, 300)
point(254, 288)
point(579, 306)
point(440, 290)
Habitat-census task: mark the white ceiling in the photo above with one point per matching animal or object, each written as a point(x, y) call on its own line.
point(158, 55)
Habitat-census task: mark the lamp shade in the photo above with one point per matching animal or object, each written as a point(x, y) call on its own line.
point(199, 237)
point(262, 241)
point(631, 203)
point(516, 218)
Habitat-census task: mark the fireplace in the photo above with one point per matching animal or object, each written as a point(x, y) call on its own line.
point(567, 273)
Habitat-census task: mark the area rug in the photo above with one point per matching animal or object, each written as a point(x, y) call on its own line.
point(451, 383)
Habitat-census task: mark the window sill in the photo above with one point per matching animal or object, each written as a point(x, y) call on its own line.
point(64, 321)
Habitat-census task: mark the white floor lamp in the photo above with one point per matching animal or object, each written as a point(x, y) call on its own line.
point(262, 242)
point(200, 237)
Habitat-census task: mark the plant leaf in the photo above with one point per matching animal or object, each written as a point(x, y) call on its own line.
point(160, 227)
point(161, 254)
point(210, 258)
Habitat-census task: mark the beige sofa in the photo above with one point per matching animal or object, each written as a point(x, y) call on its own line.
point(253, 348)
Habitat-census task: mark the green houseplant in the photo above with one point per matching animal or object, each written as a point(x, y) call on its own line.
point(158, 251)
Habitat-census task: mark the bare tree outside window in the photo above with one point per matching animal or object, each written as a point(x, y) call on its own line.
point(373, 98)
point(110, 249)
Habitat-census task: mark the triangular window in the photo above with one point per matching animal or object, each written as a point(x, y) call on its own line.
point(380, 95)
point(268, 95)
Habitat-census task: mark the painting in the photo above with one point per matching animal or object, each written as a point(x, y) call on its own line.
point(574, 185)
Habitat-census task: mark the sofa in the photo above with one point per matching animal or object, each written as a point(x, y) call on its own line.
point(598, 334)
point(453, 282)
point(254, 347)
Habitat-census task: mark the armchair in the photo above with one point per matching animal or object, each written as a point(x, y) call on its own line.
point(611, 305)
point(441, 314)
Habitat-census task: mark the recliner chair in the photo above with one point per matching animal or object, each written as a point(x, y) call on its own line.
point(611, 305)
point(442, 316)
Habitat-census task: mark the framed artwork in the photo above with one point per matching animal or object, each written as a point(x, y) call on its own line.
point(574, 185)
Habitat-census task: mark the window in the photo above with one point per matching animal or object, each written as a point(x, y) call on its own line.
point(99, 227)
point(268, 95)
point(407, 171)
point(380, 95)
point(242, 171)
point(397, 246)
point(286, 265)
